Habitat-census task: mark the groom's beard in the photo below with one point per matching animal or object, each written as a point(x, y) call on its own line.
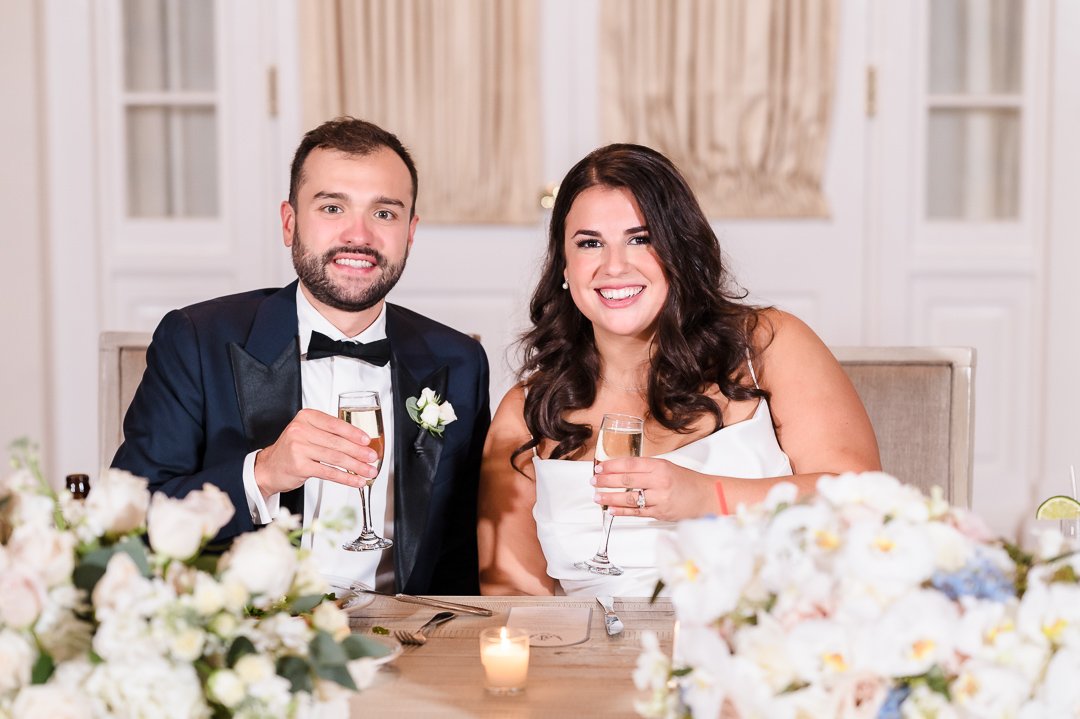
point(312, 271)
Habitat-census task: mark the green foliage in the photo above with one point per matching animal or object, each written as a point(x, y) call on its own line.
point(92, 565)
point(297, 671)
point(357, 646)
point(241, 647)
point(43, 669)
point(329, 659)
point(303, 605)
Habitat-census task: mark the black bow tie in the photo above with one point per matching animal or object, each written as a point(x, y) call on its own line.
point(377, 352)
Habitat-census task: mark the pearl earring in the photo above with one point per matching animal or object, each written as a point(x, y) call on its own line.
point(565, 285)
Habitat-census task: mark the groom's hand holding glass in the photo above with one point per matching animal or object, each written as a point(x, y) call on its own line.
point(657, 488)
point(315, 444)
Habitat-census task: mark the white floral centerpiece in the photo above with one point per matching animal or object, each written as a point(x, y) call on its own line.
point(868, 599)
point(93, 623)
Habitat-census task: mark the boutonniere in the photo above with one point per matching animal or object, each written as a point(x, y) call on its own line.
point(429, 412)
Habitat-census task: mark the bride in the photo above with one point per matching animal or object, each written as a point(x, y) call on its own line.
point(635, 314)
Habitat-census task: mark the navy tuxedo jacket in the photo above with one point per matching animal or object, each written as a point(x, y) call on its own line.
point(223, 379)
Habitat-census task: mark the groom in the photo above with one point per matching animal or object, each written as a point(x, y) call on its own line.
point(241, 391)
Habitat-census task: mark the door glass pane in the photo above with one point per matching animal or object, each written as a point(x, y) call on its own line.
point(169, 45)
point(975, 46)
point(144, 45)
point(172, 162)
point(973, 165)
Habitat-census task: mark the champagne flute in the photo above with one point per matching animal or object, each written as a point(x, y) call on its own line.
point(363, 410)
point(620, 436)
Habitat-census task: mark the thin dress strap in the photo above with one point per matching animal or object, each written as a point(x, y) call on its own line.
point(750, 364)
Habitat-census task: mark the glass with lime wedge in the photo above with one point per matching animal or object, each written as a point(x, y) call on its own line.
point(1066, 510)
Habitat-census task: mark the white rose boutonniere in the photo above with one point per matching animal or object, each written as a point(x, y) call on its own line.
point(429, 412)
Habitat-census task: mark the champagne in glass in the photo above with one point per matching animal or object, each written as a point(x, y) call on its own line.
point(620, 436)
point(363, 410)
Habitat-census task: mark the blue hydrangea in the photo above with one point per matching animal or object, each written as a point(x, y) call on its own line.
point(891, 708)
point(978, 578)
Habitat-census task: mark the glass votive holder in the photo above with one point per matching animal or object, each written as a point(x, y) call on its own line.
point(504, 652)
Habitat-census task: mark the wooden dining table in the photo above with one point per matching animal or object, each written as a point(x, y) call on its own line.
point(445, 678)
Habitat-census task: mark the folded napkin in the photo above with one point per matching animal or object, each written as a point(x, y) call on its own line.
point(552, 626)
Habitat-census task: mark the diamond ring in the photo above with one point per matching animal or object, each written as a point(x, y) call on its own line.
point(641, 499)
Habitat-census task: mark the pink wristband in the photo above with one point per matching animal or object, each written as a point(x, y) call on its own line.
point(721, 497)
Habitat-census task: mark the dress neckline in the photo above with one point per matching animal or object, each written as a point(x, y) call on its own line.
point(751, 418)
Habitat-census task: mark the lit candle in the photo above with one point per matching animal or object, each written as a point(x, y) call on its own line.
point(504, 652)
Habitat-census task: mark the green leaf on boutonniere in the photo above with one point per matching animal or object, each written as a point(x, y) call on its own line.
point(412, 409)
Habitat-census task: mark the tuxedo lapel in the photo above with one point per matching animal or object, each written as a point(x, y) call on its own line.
point(266, 374)
point(413, 367)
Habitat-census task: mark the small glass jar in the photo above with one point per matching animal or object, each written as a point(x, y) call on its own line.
point(78, 485)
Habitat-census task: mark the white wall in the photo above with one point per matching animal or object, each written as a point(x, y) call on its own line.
point(22, 288)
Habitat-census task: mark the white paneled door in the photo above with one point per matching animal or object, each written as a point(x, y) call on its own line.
point(167, 159)
point(959, 183)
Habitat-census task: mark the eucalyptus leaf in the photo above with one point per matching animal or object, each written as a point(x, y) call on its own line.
point(357, 646)
point(241, 647)
point(329, 659)
point(297, 671)
point(92, 566)
point(302, 605)
point(43, 669)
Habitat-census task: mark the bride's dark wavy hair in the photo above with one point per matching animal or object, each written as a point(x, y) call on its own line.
point(704, 329)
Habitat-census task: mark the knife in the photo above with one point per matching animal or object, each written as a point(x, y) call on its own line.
point(426, 601)
point(612, 623)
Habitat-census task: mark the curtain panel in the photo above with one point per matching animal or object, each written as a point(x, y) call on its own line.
point(458, 82)
point(736, 92)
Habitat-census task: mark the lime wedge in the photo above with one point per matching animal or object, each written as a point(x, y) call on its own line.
point(1058, 507)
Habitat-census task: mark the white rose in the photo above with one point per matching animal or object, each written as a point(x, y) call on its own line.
point(209, 596)
point(32, 508)
point(49, 553)
point(22, 597)
point(429, 416)
point(224, 625)
point(17, 656)
point(187, 644)
point(282, 631)
point(117, 502)
point(150, 687)
point(446, 413)
point(237, 595)
point(427, 397)
point(226, 688)
point(331, 620)
point(264, 562)
point(120, 588)
point(254, 668)
point(48, 700)
point(125, 637)
point(177, 527)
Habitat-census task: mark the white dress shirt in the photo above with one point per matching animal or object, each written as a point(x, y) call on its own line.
point(321, 381)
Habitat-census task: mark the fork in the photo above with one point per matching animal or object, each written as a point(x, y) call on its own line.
point(418, 638)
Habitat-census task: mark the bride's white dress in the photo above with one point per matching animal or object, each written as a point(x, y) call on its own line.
point(568, 521)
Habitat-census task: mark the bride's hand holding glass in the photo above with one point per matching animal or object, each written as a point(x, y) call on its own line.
point(656, 488)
